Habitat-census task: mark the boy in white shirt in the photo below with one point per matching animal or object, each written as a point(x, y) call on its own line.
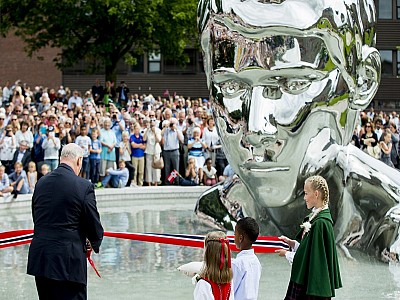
point(246, 267)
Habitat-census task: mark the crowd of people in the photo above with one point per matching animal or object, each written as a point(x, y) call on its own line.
point(378, 135)
point(128, 139)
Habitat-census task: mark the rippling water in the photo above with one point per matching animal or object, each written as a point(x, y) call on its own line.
point(138, 270)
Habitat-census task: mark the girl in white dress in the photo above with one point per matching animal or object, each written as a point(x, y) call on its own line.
point(215, 279)
point(32, 176)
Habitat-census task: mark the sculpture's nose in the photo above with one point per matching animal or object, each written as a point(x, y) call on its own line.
point(261, 116)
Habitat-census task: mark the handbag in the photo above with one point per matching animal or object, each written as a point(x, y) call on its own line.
point(157, 163)
point(374, 151)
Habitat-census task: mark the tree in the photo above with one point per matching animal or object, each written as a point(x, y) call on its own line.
point(101, 32)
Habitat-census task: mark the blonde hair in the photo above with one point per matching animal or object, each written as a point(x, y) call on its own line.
point(32, 164)
point(318, 183)
point(213, 244)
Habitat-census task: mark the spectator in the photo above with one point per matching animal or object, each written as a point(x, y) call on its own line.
point(171, 137)
point(19, 180)
point(84, 142)
point(210, 173)
point(75, 99)
point(369, 141)
point(386, 148)
point(108, 141)
point(117, 178)
point(5, 188)
point(228, 173)
point(191, 172)
point(378, 128)
point(138, 147)
point(125, 151)
point(97, 91)
point(22, 155)
point(32, 176)
point(394, 155)
point(196, 148)
point(24, 134)
point(118, 126)
point(51, 145)
point(94, 157)
point(152, 137)
point(2, 123)
point(38, 151)
point(7, 148)
point(122, 92)
point(210, 137)
point(44, 170)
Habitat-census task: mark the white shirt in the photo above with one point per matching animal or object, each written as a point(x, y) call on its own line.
point(203, 291)
point(246, 270)
point(84, 142)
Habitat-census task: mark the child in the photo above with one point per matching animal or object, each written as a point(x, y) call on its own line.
point(246, 267)
point(84, 142)
point(315, 268)
point(191, 171)
point(216, 274)
point(94, 157)
point(32, 176)
point(210, 173)
point(18, 180)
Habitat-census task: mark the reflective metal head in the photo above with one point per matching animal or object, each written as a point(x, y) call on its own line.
point(279, 72)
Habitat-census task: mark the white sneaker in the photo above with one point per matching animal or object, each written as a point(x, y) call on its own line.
point(133, 185)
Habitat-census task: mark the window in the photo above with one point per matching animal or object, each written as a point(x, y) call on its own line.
point(385, 9)
point(398, 62)
point(174, 66)
point(139, 67)
point(155, 63)
point(387, 62)
point(398, 9)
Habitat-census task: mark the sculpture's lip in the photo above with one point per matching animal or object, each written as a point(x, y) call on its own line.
point(264, 168)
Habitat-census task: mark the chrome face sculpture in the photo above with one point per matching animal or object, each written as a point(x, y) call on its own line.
point(287, 80)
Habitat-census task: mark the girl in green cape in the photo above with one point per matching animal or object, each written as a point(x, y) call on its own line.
point(315, 268)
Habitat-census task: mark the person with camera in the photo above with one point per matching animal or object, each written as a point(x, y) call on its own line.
point(171, 136)
point(8, 145)
point(122, 92)
point(118, 126)
point(152, 137)
point(51, 145)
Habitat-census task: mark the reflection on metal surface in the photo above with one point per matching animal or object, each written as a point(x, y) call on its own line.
point(287, 79)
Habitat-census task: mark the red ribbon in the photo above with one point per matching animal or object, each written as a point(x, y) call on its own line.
point(223, 242)
point(88, 253)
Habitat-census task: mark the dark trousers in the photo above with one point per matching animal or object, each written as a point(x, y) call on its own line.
point(94, 170)
point(131, 170)
point(171, 162)
point(49, 289)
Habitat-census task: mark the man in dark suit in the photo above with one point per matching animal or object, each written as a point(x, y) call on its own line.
point(22, 155)
point(65, 217)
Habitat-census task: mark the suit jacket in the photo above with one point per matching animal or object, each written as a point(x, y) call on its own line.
point(26, 159)
point(64, 214)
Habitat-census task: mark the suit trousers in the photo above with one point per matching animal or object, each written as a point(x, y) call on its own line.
point(49, 289)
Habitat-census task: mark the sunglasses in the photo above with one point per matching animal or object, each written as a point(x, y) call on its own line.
point(1, 118)
point(367, 126)
point(18, 111)
point(14, 119)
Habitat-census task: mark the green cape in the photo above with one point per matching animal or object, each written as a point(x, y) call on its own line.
point(315, 264)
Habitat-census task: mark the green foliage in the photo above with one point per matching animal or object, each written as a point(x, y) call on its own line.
point(101, 32)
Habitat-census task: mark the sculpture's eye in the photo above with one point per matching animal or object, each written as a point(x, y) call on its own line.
point(294, 86)
point(232, 89)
